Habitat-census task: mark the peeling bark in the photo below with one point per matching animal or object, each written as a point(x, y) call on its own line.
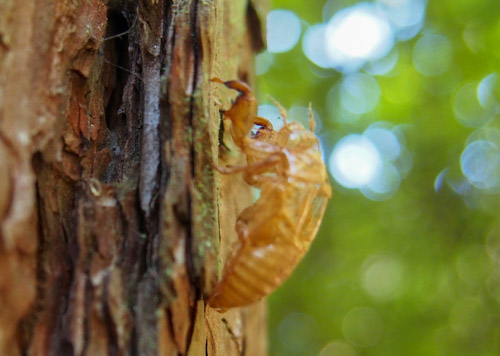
point(113, 225)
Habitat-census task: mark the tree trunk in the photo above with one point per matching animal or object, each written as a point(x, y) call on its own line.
point(113, 226)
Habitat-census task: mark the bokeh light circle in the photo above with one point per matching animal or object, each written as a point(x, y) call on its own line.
point(385, 184)
point(383, 65)
point(406, 16)
point(355, 161)
point(359, 93)
point(337, 348)
point(362, 326)
point(382, 277)
point(468, 109)
point(358, 34)
point(386, 141)
point(487, 90)
point(272, 113)
point(432, 54)
point(263, 62)
point(480, 163)
point(313, 45)
point(371, 162)
point(283, 30)
point(297, 331)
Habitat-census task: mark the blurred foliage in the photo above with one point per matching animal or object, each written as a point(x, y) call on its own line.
point(416, 273)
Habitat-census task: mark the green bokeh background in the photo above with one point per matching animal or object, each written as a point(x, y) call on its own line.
point(418, 273)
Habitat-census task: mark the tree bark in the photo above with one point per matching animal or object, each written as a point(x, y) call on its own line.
point(113, 225)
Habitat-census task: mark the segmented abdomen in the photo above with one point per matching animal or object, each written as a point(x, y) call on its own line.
point(271, 246)
point(254, 273)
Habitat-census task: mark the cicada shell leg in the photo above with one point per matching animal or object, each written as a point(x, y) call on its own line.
point(312, 123)
point(281, 109)
point(264, 123)
point(255, 168)
point(243, 110)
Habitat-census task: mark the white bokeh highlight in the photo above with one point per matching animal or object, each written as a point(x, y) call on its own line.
point(363, 34)
point(283, 30)
point(370, 162)
point(358, 34)
point(355, 161)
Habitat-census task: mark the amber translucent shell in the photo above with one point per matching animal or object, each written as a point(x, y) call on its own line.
point(276, 231)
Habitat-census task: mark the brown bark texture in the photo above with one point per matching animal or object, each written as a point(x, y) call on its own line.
point(113, 225)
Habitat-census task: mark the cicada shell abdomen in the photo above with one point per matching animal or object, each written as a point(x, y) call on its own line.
point(272, 243)
point(253, 273)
